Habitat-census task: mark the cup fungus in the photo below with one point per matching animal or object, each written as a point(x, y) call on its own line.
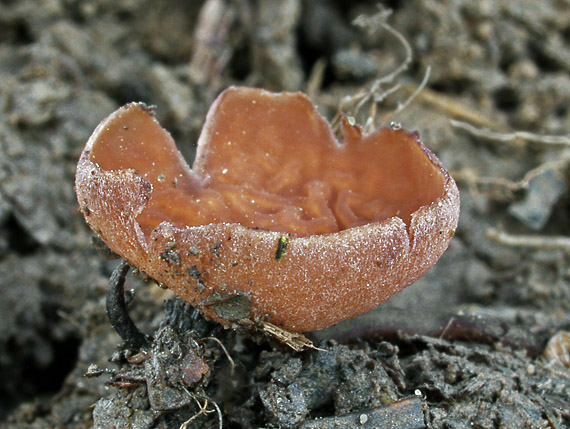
point(276, 221)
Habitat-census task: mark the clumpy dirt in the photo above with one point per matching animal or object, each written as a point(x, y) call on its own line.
point(463, 347)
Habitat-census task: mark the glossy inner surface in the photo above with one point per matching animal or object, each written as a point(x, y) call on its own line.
point(270, 161)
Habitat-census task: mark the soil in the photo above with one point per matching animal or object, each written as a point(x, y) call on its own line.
point(463, 347)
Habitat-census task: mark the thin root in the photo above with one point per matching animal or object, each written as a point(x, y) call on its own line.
point(447, 326)
point(538, 242)
point(511, 137)
point(203, 409)
point(508, 186)
point(375, 92)
point(67, 317)
point(232, 363)
point(414, 94)
point(316, 77)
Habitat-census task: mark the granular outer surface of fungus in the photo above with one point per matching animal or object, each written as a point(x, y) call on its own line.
point(276, 220)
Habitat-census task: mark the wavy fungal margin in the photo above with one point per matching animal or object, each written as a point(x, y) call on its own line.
point(276, 220)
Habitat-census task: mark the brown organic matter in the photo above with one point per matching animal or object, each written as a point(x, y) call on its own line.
point(276, 220)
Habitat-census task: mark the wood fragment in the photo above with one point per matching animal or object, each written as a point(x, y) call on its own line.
point(211, 48)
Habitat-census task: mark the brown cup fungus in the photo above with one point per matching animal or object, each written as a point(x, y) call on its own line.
point(276, 221)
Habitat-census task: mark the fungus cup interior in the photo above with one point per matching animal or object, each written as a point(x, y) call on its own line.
point(270, 161)
point(276, 220)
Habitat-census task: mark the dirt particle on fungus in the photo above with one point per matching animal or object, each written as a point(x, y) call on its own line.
point(86, 211)
point(395, 126)
point(102, 248)
point(231, 307)
point(126, 127)
point(215, 249)
point(161, 178)
point(170, 256)
point(193, 251)
point(149, 108)
point(195, 274)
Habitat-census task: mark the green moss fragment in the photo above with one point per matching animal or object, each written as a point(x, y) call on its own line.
point(281, 247)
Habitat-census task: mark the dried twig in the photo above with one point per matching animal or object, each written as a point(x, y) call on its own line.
point(453, 108)
point(296, 341)
point(211, 48)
